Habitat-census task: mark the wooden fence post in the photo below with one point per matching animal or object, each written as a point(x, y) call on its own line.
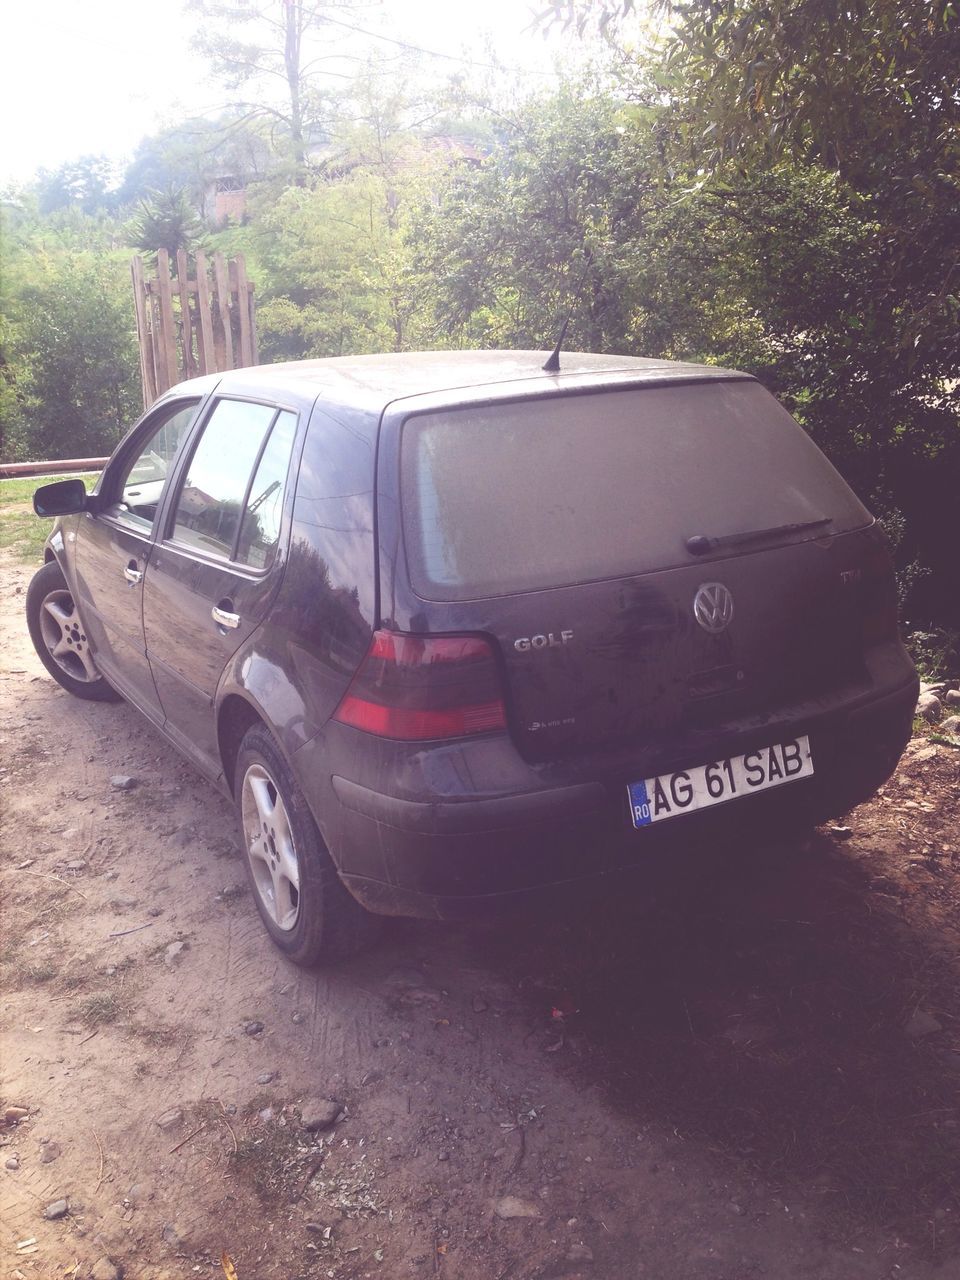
point(141, 302)
point(192, 325)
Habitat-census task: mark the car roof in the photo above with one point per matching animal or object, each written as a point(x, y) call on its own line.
point(373, 381)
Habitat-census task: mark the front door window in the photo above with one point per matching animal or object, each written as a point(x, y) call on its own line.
point(140, 483)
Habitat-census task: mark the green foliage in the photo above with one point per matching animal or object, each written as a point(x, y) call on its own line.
point(166, 220)
point(191, 156)
point(935, 652)
point(852, 91)
point(780, 268)
point(266, 49)
point(337, 256)
point(82, 184)
point(70, 371)
point(510, 246)
point(334, 264)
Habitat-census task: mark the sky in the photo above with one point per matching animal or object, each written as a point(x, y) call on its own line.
point(92, 77)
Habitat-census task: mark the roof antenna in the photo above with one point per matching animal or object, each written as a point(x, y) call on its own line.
point(553, 360)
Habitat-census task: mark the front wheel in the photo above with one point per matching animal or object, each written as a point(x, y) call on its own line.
point(306, 910)
point(59, 636)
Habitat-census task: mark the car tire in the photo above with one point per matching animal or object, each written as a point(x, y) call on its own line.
point(59, 637)
point(302, 902)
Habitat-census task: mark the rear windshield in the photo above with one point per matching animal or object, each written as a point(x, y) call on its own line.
point(526, 495)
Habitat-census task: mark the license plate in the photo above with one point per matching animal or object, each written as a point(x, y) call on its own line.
point(672, 794)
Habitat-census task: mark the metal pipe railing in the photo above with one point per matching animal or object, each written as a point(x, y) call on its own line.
point(10, 469)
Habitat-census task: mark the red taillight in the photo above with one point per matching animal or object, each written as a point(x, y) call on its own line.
point(418, 687)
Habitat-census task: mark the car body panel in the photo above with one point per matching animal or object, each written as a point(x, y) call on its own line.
point(112, 606)
point(188, 650)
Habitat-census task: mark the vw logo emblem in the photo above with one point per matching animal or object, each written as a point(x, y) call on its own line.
point(713, 607)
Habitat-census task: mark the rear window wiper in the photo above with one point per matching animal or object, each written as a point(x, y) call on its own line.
point(700, 543)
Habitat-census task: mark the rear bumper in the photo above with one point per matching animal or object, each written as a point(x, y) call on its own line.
point(446, 857)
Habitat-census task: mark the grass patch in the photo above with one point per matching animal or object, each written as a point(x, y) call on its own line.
point(20, 529)
point(157, 1037)
point(20, 491)
point(74, 981)
point(38, 972)
point(922, 728)
point(103, 1008)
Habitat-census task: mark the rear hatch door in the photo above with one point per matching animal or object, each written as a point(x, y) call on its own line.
point(649, 560)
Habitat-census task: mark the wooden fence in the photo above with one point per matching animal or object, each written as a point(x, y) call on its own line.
point(191, 325)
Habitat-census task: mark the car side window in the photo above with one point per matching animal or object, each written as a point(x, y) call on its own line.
point(260, 528)
point(140, 484)
point(232, 494)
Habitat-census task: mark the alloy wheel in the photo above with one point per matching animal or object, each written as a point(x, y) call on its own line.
point(64, 636)
point(270, 847)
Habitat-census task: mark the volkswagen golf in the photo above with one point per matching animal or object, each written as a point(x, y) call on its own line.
point(453, 627)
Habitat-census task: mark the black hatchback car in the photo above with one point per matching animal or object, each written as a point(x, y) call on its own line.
point(450, 628)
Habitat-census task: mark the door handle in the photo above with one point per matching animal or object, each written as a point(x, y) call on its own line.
point(132, 574)
point(224, 619)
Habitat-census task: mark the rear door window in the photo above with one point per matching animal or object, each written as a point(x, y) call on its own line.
point(260, 527)
point(231, 497)
point(540, 493)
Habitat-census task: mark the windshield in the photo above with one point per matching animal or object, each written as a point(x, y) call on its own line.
point(541, 493)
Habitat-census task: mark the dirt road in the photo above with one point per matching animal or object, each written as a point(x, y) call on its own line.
point(758, 1075)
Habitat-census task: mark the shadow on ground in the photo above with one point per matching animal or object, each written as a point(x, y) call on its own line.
point(760, 1012)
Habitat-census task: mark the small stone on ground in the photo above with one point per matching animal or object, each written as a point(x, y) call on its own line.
point(929, 707)
point(105, 1269)
point(56, 1209)
point(122, 782)
point(921, 1024)
point(580, 1253)
point(514, 1207)
point(319, 1113)
point(175, 1235)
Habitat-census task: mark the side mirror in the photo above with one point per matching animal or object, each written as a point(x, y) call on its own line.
point(64, 498)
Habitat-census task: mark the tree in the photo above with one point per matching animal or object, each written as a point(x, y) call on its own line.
point(166, 220)
point(511, 246)
point(335, 255)
point(191, 156)
point(276, 48)
point(70, 369)
point(869, 92)
point(79, 184)
point(338, 266)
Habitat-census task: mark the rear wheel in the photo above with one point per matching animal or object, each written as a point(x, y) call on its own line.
point(59, 636)
point(306, 910)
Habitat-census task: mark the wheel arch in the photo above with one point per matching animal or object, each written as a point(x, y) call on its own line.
point(236, 715)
